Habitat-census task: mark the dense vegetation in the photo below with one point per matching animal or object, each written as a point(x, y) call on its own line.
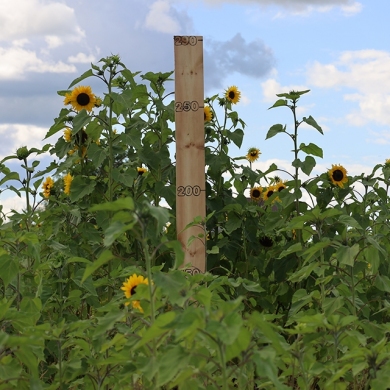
point(296, 293)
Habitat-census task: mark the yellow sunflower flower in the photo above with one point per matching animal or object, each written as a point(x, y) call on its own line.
point(338, 175)
point(208, 115)
point(269, 192)
point(141, 171)
point(387, 162)
point(81, 98)
point(253, 154)
point(67, 134)
point(47, 186)
point(233, 94)
point(255, 193)
point(280, 186)
point(129, 289)
point(67, 183)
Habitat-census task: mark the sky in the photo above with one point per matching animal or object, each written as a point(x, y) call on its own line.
point(339, 49)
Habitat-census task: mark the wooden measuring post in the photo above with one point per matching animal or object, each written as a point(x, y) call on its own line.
point(190, 156)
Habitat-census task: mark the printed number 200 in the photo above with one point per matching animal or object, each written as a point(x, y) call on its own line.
point(188, 190)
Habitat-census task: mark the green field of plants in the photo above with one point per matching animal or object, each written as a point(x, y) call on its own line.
point(296, 295)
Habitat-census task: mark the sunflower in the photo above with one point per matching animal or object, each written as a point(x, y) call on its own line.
point(338, 175)
point(81, 97)
point(253, 154)
point(129, 289)
point(255, 193)
point(387, 162)
point(47, 186)
point(141, 171)
point(269, 192)
point(67, 183)
point(280, 186)
point(67, 134)
point(266, 241)
point(233, 94)
point(208, 115)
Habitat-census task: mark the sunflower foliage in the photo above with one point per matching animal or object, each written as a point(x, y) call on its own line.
point(93, 297)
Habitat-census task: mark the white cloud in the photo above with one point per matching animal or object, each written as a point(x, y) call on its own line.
point(271, 87)
point(53, 41)
point(351, 9)
point(16, 135)
point(82, 58)
point(12, 202)
point(367, 74)
point(301, 7)
point(16, 62)
point(160, 20)
point(27, 18)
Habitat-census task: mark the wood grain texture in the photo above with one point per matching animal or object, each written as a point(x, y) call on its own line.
point(190, 154)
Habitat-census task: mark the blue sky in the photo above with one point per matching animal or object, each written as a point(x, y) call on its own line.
point(339, 49)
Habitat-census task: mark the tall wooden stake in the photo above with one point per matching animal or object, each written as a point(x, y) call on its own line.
point(190, 156)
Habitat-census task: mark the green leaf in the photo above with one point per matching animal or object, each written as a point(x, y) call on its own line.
point(10, 176)
point(279, 103)
point(310, 121)
point(293, 95)
point(382, 283)
point(80, 120)
point(86, 74)
point(158, 328)
point(349, 221)
point(237, 137)
point(292, 249)
point(96, 154)
point(275, 129)
point(347, 255)
point(8, 268)
point(104, 258)
point(308, 165)
point(311, 149)
point(81, 186)
point(117, 205)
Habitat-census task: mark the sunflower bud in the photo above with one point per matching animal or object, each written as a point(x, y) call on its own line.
point(22, 153)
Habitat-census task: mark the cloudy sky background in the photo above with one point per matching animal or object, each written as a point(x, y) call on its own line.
point(339, 49)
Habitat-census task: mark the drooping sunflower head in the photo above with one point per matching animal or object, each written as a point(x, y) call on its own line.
point(67, 183)
point(141, 171)
point(129, 289)
point(233, 95)
point(67, 134)
point(269, 192)
point(47, 186)
point(338, 175)
point(253, 154)
point(208, 115)
point(81, 98)
point(256, 193)
point(266, 241)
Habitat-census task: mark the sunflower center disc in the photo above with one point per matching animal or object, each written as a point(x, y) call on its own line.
point(338, 175)
point(132, 291)
point(269, 194)
point(256, 193)
point(231, 95)
point(83, 99)
point(281, 189)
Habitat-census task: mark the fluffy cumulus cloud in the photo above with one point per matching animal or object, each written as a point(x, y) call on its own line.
point(252, 59)
point(301, 6)
point(162, 18)
point(365, 77)
point(16, 135)
point(30, 18)
point(17, 61)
